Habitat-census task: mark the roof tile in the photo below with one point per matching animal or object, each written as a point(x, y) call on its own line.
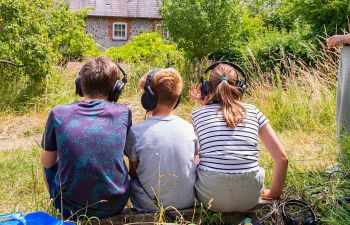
point(119, 8)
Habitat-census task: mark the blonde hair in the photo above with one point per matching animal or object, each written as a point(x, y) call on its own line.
point(167, 84)
point(222, 89)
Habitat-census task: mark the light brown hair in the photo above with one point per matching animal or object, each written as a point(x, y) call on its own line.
point(226, 93)
point(98, 76)
point(167, 84)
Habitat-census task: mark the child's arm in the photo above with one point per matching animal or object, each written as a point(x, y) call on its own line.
point(336, 40)
point(279, 156)
point(48, 158)
point(196, 153)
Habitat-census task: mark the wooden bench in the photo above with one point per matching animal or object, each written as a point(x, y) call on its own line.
point(129, 216)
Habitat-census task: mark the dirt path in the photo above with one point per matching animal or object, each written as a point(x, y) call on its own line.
point(25, 131)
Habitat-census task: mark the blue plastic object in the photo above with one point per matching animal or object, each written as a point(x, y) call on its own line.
point(36, 218)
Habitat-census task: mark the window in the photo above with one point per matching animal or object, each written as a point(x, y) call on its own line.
point(162, 30)
point(120, 31)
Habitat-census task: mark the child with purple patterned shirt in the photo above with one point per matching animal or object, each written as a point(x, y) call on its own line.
point(84, 147)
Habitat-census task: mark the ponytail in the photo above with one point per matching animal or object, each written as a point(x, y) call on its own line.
point(223, 90)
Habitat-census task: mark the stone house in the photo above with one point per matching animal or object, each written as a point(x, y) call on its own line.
point(114, 22)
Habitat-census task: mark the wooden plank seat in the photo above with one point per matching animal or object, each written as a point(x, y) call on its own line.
point(130, 216)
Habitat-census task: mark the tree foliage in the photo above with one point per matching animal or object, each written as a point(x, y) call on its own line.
point(36, 34)
point(24, 36)
point(146, 48)
point(201, 27)
point(145, 52)
point(261, 30)
point(331, 16)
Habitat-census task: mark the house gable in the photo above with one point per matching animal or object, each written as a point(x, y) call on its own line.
point(109, 21)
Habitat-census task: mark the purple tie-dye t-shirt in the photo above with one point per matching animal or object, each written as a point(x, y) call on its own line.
point(89, 138)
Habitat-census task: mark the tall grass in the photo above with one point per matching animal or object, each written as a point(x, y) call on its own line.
point(298, 100)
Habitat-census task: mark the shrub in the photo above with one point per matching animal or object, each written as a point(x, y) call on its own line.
point(145, 52)
point(35, 36)
point(147, 48)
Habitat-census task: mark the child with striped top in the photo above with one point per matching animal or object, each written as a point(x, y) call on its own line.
point(229, 177)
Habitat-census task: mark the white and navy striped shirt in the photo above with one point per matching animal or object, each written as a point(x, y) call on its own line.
point(223, 149)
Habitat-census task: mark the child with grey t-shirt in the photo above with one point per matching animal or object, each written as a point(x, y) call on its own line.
point(161, 149)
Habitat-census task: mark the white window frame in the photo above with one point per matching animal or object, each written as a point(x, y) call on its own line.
point(125, 37)
point(161, 27)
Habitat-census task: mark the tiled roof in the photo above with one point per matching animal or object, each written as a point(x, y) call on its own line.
point(119, 8)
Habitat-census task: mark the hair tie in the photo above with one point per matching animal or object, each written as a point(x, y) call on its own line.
point(224, 78)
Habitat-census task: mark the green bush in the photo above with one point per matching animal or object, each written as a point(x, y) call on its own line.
point(270, 47)
point(35, 36)
point(145, 52)
point(147, 48)
point(202, 27)
point(68, 34)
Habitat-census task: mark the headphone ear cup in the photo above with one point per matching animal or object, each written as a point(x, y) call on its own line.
point(204, 87)
point(241, 85)
point(295, 221)
point(309, 221)
point(178, 102)
point(290, 220)
point(149, 99)
point(116, 91)
point(78, 89)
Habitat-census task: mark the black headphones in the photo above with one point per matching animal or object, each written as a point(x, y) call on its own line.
point(289, 220)
point(241, 84)
point(116, 91)
point(149, 97)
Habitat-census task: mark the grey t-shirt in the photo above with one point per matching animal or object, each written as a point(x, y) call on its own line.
point(164, 147)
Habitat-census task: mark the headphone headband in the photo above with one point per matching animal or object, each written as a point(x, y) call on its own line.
point(149, 98)
point(117, 87)
point(125, 75)
point(149, 78)
point(241, 84)
point(311, 220)
point(238, 68)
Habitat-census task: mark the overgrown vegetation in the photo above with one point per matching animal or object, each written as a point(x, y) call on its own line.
point(267, 30)
point(299, 103)
point(278, 42)
point(34, 37)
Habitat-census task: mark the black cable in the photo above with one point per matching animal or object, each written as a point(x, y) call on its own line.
point(289, 220)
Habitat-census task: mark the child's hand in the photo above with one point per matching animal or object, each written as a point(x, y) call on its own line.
point(268, 194)
point(196, 95)
point(196, 159)
point(336, 40)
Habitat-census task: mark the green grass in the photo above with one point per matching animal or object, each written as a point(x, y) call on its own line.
point(21, 182)
point(300, 106)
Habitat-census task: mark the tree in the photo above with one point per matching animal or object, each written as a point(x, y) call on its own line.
point(24, 37)
point(35, 35)
point(202, 27)
point(331, 16)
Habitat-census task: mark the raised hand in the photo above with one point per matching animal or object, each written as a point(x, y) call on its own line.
point(196, 95)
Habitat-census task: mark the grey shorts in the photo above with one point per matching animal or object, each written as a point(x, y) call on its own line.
point(227, 192)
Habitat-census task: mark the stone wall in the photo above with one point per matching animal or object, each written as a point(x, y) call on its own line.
point(141, 26)
point(98, 27)
point(101, 29)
